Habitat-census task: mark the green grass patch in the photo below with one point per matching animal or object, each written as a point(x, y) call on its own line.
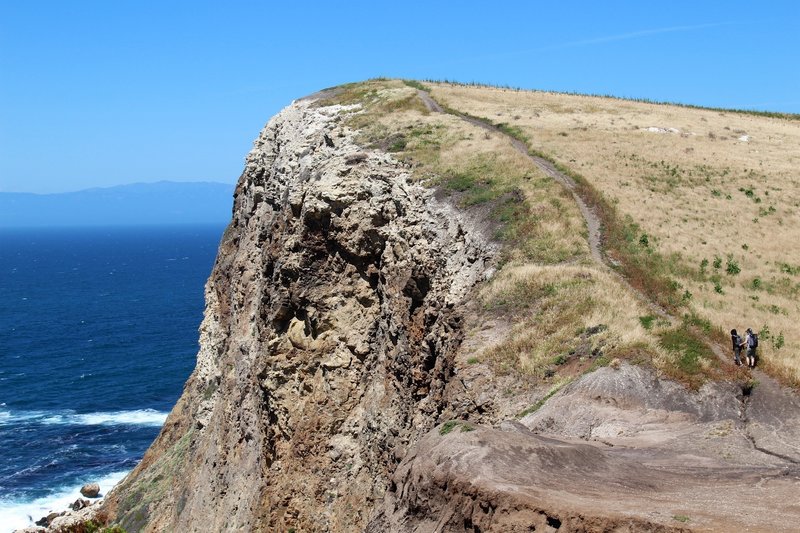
point(693, 362)
point(417, 85)
point(447, 427)
point(450, 425)
point(647, 321)
point(513, 131)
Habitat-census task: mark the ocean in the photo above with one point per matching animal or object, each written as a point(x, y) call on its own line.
point(98, 333)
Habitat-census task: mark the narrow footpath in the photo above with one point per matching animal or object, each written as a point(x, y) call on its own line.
point(770, 413)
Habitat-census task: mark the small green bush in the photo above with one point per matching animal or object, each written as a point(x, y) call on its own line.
point(448, 426)
point(732, 267)
point(778, 342)
point(647, 321)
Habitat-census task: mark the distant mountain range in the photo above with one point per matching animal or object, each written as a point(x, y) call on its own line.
point(163, 202)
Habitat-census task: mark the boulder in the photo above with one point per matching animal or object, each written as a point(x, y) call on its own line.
point(79, 504)
point(45, 520)
point(90, 490)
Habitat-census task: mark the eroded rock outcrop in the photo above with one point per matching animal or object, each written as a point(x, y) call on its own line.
point(618, 450)
point(331, 321)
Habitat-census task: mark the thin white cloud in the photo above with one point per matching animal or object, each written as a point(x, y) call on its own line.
point(600, 40)
point(634, 35)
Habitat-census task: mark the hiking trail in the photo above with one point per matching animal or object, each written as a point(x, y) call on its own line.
point(765, 431)
point(593, 225)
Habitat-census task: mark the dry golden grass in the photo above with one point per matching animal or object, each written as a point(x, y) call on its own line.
point(562, 305)
point(699, 192)
point(555, 305)
point(567, 313)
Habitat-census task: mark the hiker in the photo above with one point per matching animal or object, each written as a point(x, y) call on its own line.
point(737, 342)
point(752, 343)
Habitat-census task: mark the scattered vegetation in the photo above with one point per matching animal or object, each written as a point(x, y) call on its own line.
point(152, 485)
point(694, 359)
point(539, 225)
point(91, 527)
point(663, 182)
point(450, 425)
point(553, 390)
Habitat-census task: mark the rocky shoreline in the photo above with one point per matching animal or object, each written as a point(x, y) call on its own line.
point(78, 513)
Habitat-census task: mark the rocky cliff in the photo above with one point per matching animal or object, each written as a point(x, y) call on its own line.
point(332, 317)
point(356, 374)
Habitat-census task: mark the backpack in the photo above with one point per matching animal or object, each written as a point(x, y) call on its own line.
point(753, 340)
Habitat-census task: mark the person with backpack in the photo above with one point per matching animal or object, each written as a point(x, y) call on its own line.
point(737, 342)
point(752, 343)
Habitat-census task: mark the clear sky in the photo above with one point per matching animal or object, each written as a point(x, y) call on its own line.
point(98, 93)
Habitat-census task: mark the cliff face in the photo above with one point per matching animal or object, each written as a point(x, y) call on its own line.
point(347, 380)
point(331, 323)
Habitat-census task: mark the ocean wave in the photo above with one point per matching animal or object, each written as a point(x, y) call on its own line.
point(17, 514)
point(136, 417)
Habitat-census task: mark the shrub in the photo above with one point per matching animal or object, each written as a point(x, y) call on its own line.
point(778, 342)
point(732, 267)
point(647, 321)
point(448, 427)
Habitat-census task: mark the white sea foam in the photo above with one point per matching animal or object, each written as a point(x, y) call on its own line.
point(16, 514)
point(137, 417)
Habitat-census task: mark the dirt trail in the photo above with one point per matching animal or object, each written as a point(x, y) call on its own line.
point(770, 414)
point(593, 224)
point(591, 218)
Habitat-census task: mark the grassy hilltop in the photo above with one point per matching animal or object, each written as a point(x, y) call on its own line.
point(699, 209)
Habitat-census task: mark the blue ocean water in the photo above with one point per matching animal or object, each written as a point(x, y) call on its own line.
point(98, 333)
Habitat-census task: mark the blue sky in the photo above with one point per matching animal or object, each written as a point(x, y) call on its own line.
point(103, 93)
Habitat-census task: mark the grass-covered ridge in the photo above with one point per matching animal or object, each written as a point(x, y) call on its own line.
point(476, 84)
point(698, 205)
point(568, 315)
